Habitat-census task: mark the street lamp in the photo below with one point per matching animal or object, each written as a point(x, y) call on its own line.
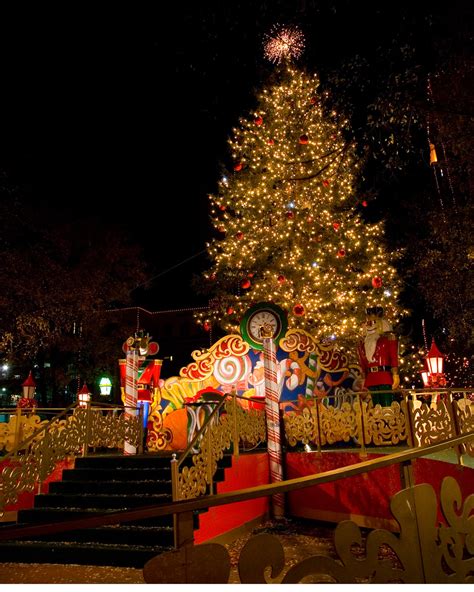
point(105, 385)
point(29, 386)
point(83, 396)
point(27, 401)
point(433, 375)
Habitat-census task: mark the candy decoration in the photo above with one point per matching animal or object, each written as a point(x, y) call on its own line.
point(238, 166)
point(239, 235)
point(258, 120)
point(341, 253)
point(310, 381)
point(245, 284)
point(212, 277)
point(281, 279)
point(271, 141)
point(131, 394)
point(272, 414)
point(206, 326)
point(222, 208)
point(335, 225)
point(250, 274)
point(290, 214)
point(221, 229)
point(377, 282)
point(232, 369)
point(326, 183)
point(304, 139)
point(298, 310)
point(230, 310)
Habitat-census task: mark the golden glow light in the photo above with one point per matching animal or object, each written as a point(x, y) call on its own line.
point(291, 211)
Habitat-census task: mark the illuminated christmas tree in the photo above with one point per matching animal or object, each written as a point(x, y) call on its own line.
point(289, 222)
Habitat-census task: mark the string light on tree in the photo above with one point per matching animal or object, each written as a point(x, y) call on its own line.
point(292, 217)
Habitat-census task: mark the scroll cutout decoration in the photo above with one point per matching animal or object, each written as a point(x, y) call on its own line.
point(424, 551)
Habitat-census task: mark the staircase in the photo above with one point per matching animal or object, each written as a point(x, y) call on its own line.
point(100, 484)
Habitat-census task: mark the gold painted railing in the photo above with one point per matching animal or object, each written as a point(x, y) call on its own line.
point(352, 419)
point(230, 424)
point(35, 446)
point(425, 551)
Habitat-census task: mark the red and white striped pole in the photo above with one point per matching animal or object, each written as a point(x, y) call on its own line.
point(272, 413)
point(131, 394)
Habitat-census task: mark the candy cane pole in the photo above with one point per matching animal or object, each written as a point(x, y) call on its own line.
point(131, 394)
point(272, 413)
point(311, 381)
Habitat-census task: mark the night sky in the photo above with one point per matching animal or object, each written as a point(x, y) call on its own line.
point(125, 113)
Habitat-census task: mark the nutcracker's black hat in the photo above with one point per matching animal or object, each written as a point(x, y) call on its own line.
point(375, 310)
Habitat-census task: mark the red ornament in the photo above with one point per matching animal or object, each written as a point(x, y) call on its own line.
point(238, 166)
point(245, 284)
point(290, 215)
point(335, 225)
point(325, 183)
point(341, 253)
point(298, 310)
point(230, 310)
point(304, 139)
point(271, 141)
point(239, 235)
point(281, 279)
point(377, 282)
point(364, 203)
point(258, 120)
point(206, 326)
point(313, 100)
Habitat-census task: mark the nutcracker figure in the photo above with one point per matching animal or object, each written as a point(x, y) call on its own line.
point(378, 357)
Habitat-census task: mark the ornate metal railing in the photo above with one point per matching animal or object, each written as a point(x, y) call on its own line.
point(34, 445)
point(424, 551)
point(231, 424)
point(350, 418)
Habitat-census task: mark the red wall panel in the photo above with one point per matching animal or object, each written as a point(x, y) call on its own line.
point(248, 470)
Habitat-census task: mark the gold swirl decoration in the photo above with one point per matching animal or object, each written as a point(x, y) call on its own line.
point(203, 365)
point(386, 425)
point(464, 410)
point(338, 424)
point(432, 425)
point(193, 481)
point(424, 552)
point(62, 439)
point(28, 425)
point(301, 427)
point(330, 359)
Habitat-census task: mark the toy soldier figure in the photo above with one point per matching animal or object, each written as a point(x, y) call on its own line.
point(378, 357)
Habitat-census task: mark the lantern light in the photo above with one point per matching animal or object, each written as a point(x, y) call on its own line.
point(435, 359)
point(105, 385)
point(29, 387)
point(83, 396)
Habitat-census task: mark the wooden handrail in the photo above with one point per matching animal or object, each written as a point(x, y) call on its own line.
point(233, 496)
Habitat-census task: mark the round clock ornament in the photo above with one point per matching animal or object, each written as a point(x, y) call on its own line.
point(264, 319)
